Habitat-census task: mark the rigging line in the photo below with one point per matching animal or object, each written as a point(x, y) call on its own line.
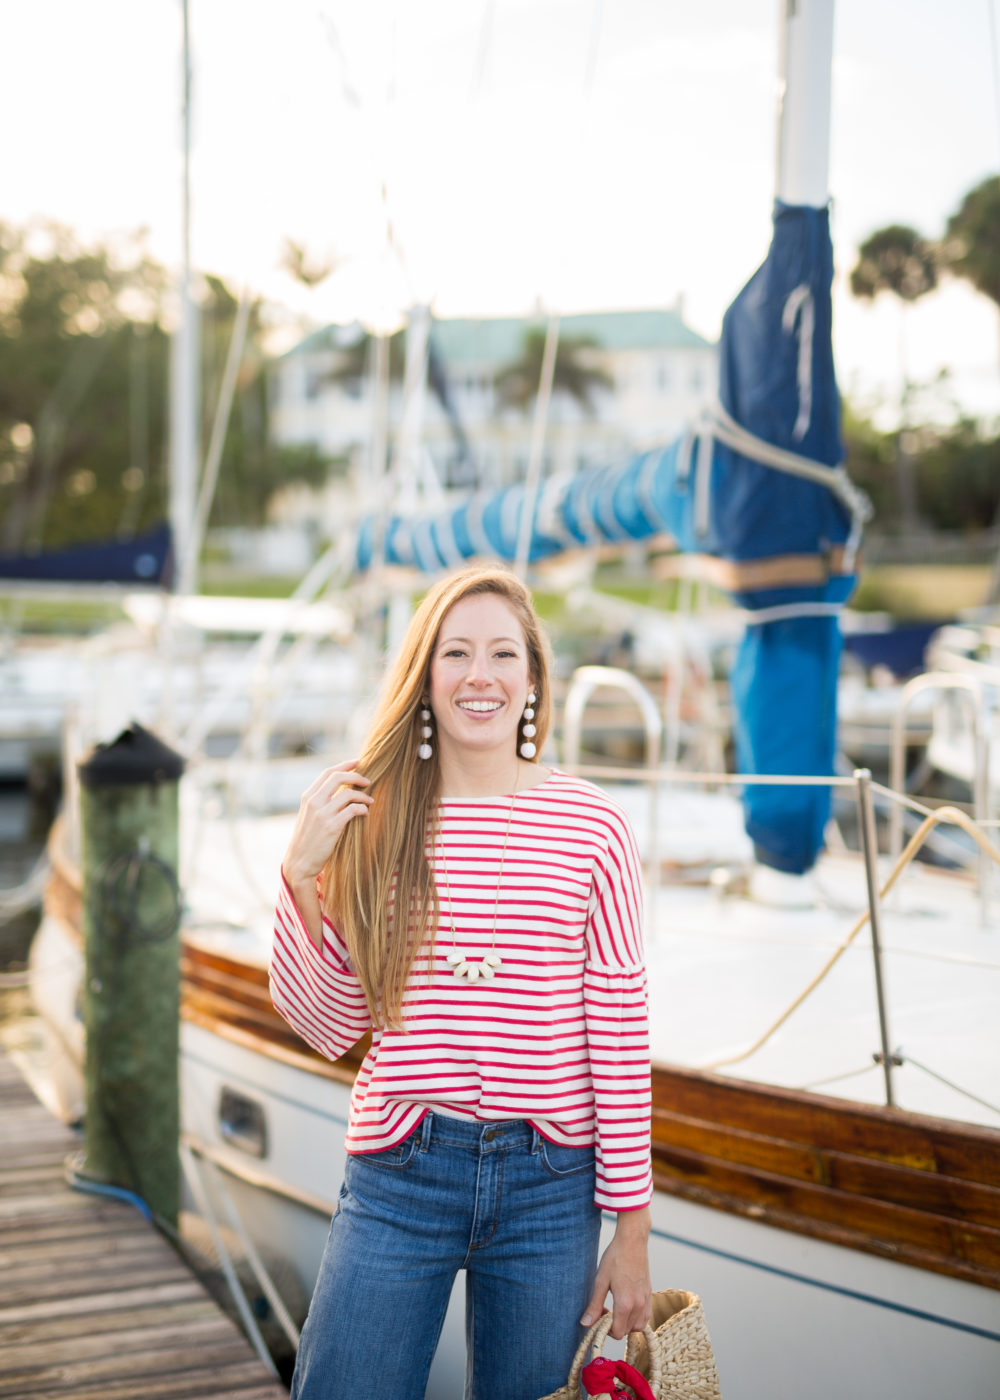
point(995, 54)
point(529, 502)
point(596, 26)
point(220, 423)
point(347, 89)
point(913, 803)
point(836, 1078)
point(967, 1093)
point(32, 976)
point(923, 810)
point(700, 780)
point(267, 1285)
point(264, 898)
point(483, 54)
point(725, 429)
point(948, 814)
point(206, 1211)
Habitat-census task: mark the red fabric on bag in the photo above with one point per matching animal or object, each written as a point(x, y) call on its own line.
point(601, 1377)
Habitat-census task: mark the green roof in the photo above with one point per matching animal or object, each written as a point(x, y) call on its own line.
point(498, 339)
point(332, 337)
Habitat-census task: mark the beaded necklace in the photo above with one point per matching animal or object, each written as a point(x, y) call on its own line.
point(461, 965)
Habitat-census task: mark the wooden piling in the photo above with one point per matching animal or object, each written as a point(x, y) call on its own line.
point(131, 920)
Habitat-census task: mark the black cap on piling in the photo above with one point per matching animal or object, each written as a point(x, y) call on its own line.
point(135, 757)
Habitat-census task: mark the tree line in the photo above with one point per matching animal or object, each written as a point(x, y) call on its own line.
point(908, 264)
point(920, 474)
point(84, 393)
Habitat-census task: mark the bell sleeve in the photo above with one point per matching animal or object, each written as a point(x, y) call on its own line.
point(616, 1011)
point(315, 990)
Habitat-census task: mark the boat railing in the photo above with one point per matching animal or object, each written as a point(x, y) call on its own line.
point(969, 689)
point(866, 793)
point(586, 681)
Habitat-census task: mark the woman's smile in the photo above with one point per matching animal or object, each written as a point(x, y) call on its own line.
point(479, 707)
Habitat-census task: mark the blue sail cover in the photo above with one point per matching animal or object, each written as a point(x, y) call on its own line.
point(780, 537)
point(144, 559)
point(776, 379)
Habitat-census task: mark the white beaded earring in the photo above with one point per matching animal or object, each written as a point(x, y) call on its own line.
point(425, 750)
point(528, 728)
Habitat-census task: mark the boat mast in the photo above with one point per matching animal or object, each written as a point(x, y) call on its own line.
point(184, 372)
point(805, 40)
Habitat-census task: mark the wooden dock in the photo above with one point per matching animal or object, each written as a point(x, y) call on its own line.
point(94, 1303)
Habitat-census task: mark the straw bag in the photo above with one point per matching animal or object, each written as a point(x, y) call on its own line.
point(674, 1354)
point(687, 1362)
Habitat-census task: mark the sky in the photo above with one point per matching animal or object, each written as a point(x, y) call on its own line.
point(562, 154)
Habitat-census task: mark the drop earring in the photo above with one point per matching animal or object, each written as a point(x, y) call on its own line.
point(425, 750)
point(528, 728)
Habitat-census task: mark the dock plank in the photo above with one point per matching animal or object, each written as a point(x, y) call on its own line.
point(95, 1304)
point(192, 1331)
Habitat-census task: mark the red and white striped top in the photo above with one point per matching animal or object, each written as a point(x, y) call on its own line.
point(559, 1037)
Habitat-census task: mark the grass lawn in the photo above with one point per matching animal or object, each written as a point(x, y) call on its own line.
point(924, 591)
point(57, 617)
point(907, 591)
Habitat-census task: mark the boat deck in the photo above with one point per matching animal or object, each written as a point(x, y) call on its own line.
point(94, 1303)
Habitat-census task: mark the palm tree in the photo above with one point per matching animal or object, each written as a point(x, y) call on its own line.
point(895, 259)
point(300, 264)
point(898, 260)
point(972, 244)
point(972, 250)
point(575, 372)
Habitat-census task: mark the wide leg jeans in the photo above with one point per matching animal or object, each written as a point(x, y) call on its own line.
point(496, 1199)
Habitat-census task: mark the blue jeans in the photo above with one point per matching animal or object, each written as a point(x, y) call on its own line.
point(516, 1212)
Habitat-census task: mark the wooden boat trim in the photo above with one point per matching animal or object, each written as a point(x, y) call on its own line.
point(829, 1231)
point(965, 1150)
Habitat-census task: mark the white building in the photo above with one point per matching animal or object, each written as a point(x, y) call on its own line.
point(660, 374)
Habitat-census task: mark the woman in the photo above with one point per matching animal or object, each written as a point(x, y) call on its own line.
point(505, 1100)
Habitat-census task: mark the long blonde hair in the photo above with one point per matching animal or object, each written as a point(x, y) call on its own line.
point(378, 887)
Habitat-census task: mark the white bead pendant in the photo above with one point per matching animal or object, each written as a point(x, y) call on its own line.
point(467, 969)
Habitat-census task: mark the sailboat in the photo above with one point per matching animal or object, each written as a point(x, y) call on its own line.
point(832, 1197)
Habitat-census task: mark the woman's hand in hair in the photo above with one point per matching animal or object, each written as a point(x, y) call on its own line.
point(336, 797)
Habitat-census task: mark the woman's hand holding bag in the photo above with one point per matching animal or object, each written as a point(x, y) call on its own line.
point(672, 1358)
